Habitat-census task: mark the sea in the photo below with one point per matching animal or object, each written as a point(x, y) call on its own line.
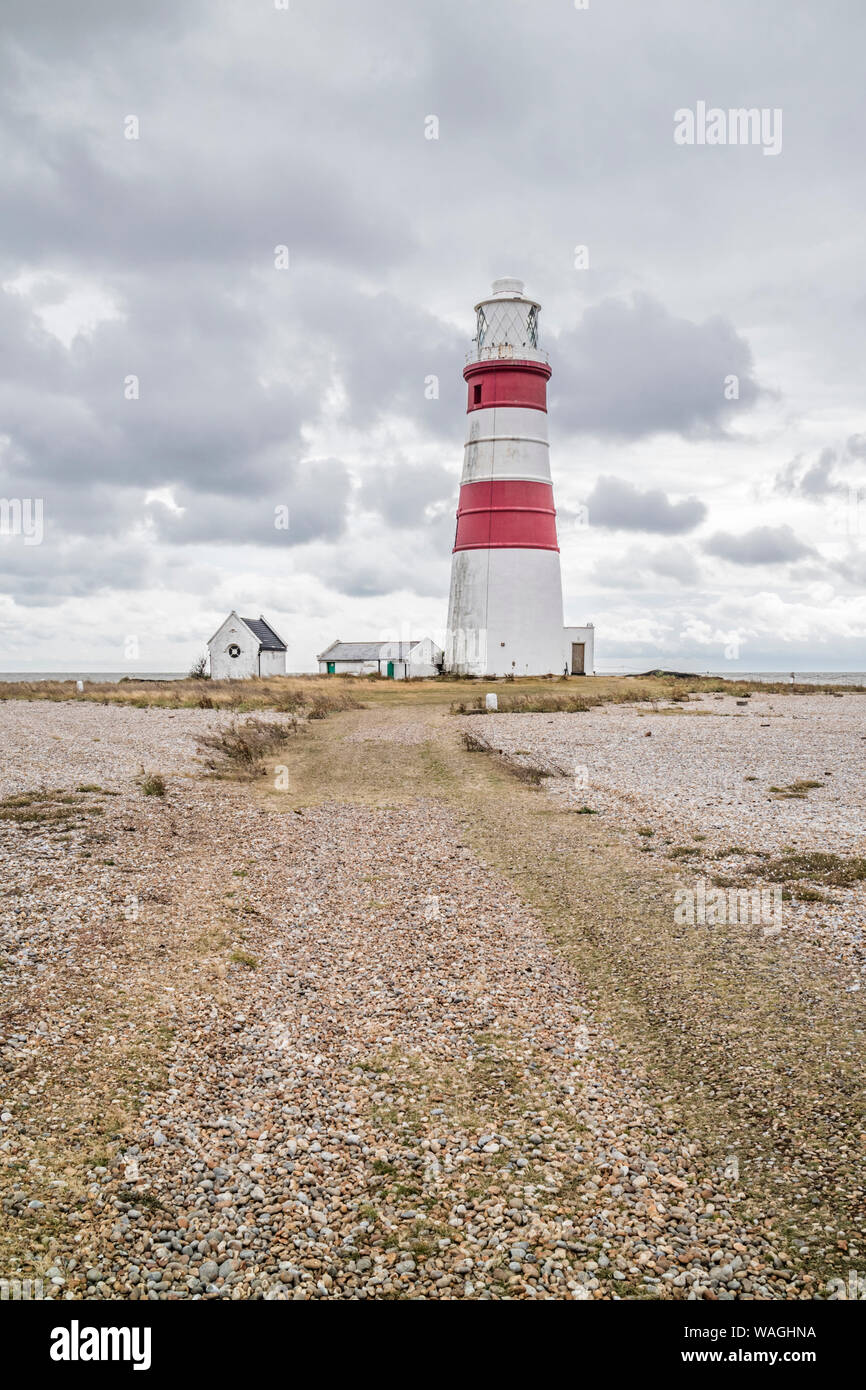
point(92, 675)
point(792, 677)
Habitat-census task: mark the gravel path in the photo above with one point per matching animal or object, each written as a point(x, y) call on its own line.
point(326, 1053)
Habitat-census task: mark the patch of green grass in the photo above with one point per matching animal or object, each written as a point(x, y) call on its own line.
point(49, 809)
point(153, 784)
point(243, 958)
point(795, 791)
point(146, 1200)
point(810, 895)
point(817, 867)
point(540, 703)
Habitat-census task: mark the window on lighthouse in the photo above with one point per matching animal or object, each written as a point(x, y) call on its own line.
point(477, 397)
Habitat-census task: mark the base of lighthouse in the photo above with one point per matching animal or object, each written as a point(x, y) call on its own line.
point(505, 614)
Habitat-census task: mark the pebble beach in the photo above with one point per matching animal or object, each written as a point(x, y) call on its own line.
point(255, 1050)
point(717, 781)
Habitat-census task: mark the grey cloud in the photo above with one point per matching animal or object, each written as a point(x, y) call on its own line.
point(810, 480)
point(392, 356)
point(391, 569)
point(619, 505)
point(634, 369)
point(203, 417)
point(676, 562)
point(851, 567)
point(316, 494)
point(636, 568)
point(763, 545)
point(817, 480)
point(401, 491)
point(54, 29)
point(41, 575)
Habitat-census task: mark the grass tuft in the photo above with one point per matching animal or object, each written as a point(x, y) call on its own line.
point(153, 784)
point(240, 749)
point(795, 791)
point(815, 867)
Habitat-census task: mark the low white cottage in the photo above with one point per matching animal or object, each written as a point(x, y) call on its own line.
point(397, 660)
point(244, 647)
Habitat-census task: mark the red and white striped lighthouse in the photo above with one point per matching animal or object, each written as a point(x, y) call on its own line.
point(505, 611)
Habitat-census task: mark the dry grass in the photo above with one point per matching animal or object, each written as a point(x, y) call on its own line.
point(617, 690)
point(46, 810)
point(305, 695)
point(795, 791)
point(317, 696)
point(540, 703)
point(816, 867)
point(240, 750)
point(153, 784)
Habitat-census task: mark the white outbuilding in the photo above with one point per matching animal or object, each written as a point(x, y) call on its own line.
point(398, 661)
point(245, 647)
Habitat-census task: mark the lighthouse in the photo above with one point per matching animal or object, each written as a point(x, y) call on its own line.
point(505, 613)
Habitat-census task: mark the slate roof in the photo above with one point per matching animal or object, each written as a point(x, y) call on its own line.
point(269, 640)
point(368, 651)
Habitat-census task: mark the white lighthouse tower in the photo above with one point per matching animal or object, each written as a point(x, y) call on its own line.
point(505, 611)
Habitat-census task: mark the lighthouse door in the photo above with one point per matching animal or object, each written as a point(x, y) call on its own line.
point(577, 658)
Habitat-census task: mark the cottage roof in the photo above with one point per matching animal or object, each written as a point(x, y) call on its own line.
point(269, 639)
point(368, 651)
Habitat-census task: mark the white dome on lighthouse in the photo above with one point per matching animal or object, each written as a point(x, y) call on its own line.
point(508, 285)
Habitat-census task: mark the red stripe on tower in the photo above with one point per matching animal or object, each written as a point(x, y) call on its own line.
point(506, 514)
point(511, 382)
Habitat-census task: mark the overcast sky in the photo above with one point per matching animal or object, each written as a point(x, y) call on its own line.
point(726, 520)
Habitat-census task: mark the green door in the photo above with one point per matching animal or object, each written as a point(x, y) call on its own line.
point(332, 668)
point(390, 670)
